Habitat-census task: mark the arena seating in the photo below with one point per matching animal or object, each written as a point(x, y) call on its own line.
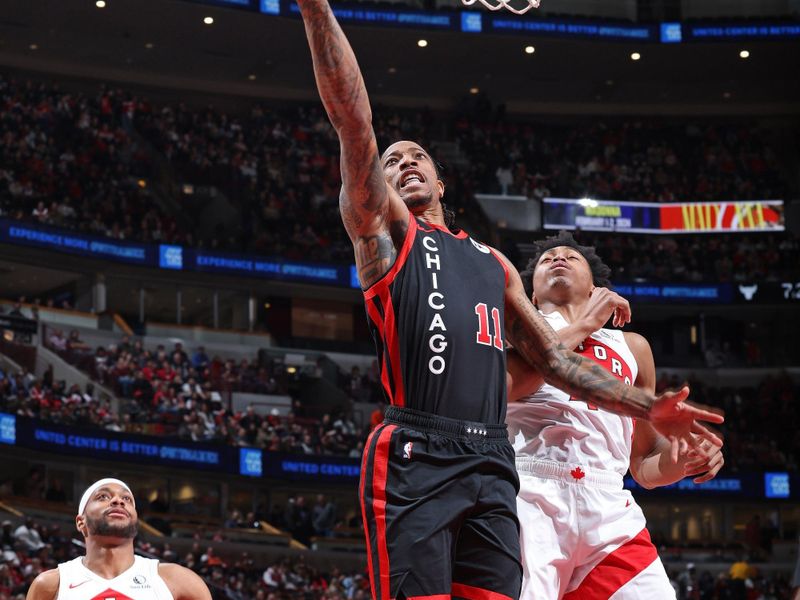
point(87, 162)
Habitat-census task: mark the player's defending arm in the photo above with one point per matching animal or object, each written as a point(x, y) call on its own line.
point(45, 586)
point(541, 348)
point(603, 303)
point(367, 203)
point(652, 455)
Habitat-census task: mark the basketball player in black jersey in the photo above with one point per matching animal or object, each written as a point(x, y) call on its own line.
point(438, 483)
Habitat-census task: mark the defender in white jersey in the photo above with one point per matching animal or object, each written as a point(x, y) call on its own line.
point(582, 535)
point(110, 570)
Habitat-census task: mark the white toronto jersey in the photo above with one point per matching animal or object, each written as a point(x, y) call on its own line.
point(140, 582)
point(549, 425)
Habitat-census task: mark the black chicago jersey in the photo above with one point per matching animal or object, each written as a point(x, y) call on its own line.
point(437, 320)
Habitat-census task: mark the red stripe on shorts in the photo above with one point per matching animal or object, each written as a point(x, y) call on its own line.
point(363, 481)
point(471, 592)
point(380, 471)
point(373, 313)
point(616, 569)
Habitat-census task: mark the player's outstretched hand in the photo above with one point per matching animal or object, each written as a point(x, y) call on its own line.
point(706, 460)
point(679, 421)
point(603, 303)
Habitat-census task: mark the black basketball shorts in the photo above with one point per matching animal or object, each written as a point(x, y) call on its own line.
point(438, 498)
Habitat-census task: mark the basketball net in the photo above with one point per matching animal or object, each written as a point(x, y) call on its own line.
point(500, 4)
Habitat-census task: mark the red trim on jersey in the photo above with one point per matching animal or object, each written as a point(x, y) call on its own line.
point(111, 594)
point(380, 471)
point(500, 260)
point(373, 313)
point(385, 381)
point(471, 592)
point(392, 347)
point(361, 484)
point(388, 277)
point(433, 597)
point(616, 569)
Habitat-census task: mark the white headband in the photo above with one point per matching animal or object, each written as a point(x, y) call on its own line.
point(87, 495)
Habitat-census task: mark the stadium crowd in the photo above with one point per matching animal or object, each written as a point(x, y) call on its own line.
point(171, 394)
point(32, 547)
point(636, 159)
point(87, 162)
point(29, 547)
point(694, 258)
point(170, 408)
point(72, 160)
point(772, 403)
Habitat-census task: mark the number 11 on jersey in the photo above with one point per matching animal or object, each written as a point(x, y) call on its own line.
point(483, 336)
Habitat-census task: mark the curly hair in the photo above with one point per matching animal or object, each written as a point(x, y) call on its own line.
point(600, 270)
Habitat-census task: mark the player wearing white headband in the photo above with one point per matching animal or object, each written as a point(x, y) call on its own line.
point(110, 570)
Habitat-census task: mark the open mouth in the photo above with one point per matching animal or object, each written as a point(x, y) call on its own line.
point(410, 177)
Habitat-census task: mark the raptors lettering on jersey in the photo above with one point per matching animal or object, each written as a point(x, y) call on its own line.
point(550, 425)
point(436, 342)
point(607, 358)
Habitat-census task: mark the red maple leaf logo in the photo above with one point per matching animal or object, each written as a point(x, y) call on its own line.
point(577, 473)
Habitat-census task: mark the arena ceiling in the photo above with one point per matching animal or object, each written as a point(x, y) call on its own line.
point(164, 44)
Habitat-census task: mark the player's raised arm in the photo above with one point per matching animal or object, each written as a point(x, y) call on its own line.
point(367, 203)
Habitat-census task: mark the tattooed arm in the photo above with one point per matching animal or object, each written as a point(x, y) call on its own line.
point(373, 214)
point(536, 342)
point(540, 346)
point(602, 305)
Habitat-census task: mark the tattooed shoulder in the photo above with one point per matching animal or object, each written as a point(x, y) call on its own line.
point(375, 254)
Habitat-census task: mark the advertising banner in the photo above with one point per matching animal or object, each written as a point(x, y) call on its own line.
point(663, 218)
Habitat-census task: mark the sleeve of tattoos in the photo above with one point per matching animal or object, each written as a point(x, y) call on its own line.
point(540, 346)
point(364, 199)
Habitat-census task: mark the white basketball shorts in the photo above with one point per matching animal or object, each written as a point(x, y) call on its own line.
point(583, 537)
